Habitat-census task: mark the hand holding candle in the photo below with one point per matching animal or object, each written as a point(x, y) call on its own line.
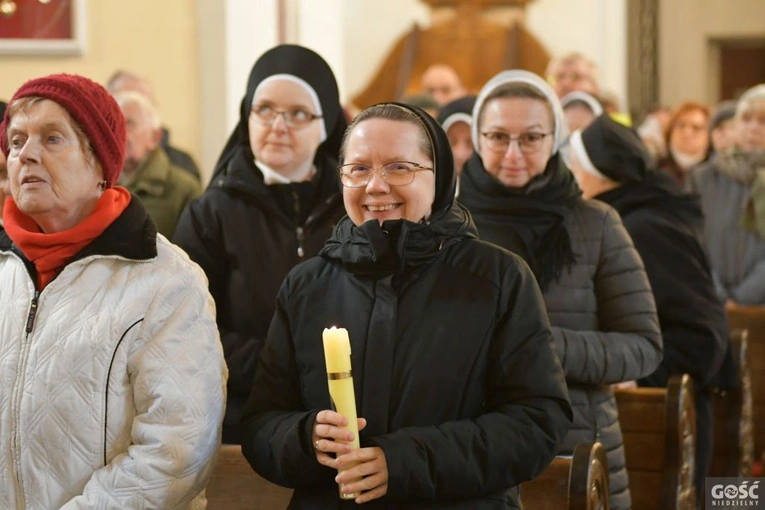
point(337, 356)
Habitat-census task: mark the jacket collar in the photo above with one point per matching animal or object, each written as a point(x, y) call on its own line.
point(397, 246)
point(242, 175)
point(132, 236)
point(152, 177)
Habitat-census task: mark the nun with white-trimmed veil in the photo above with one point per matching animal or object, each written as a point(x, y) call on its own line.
point(523, 197)
point(272, 202)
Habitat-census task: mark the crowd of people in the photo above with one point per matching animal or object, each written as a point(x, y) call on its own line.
point(501, 261)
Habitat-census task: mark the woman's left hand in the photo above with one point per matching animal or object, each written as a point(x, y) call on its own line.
point(625, 385)
point(369, 477)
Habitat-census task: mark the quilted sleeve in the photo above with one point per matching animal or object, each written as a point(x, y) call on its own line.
point(628, 344)
point(200, 236)
point(178, 378)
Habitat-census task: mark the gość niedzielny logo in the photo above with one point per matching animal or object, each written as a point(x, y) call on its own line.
point(743, 494)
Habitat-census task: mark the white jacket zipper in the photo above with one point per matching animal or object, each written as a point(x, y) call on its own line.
point(18, 391)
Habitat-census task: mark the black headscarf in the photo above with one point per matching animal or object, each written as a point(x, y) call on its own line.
point(530, 219)
point(458, 110)
point(301, 63)
point(401, 247)
point(612, 149)
point(618, 153)
point(3, 106)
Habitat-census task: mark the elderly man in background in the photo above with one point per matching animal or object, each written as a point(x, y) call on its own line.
point(125, 81)
point(148, 173)
point(443, 83)
point(573, 72)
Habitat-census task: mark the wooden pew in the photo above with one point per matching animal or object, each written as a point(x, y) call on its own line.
point(733, 436)
point(579, 482)
point(235, 486)
point(752, 318)
point(659, 429)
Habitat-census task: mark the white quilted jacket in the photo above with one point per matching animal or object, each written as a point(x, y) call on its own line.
point(112, 396)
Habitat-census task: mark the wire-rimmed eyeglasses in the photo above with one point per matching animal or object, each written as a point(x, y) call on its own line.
point(529, 143)
point(294, 117)
point(395, 173)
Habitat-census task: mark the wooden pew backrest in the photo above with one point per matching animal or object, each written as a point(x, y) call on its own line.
point(752, 318)
point(659, 430)
point(579, 482)
point(733, 434)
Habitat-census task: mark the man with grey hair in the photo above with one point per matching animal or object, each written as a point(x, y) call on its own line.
point(572, 72)
point(125, 81)
point(148, 173)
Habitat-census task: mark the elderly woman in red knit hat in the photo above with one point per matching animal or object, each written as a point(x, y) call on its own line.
point(112, 380)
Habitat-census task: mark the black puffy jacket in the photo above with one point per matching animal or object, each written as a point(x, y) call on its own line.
point(453, 364)
point(238, 231)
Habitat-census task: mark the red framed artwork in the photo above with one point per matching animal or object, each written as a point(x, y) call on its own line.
point(42, 27)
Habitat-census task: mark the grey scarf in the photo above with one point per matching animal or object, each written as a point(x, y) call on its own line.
point(748, 168)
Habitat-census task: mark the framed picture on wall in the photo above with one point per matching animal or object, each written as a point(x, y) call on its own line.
point(42, 27)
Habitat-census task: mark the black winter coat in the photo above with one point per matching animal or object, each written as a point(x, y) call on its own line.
point(453, 363)
point(241, 236)
point(664, 224)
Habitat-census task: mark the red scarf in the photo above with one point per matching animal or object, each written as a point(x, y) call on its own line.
point(51, 252)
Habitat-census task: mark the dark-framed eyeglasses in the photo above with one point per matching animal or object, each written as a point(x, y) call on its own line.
point(395, 173)
point(529, 143)
point(294, 117)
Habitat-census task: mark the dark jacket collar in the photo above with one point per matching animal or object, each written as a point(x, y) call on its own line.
point(132, 236)
point(658, 192)
point(241, 174)
point(397, 247)
point(153, 175)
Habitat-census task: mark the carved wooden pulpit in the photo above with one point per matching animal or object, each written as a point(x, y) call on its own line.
point(478, 38)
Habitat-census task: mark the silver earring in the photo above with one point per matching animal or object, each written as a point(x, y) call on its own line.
point(102, 185)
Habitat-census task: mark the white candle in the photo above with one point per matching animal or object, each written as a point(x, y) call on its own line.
point(337, 356)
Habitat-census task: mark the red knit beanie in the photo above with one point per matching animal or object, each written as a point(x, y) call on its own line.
point(91, 106)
